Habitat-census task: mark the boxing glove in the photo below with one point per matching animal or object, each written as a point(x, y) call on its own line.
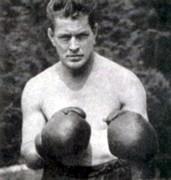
point(67, 133)
point(131, 137)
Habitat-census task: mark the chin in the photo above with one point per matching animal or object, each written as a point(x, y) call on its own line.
point(74, 66)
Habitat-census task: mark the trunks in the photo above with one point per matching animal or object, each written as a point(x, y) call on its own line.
point(112, 170)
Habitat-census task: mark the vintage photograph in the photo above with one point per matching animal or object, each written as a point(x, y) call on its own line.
point(85, 90)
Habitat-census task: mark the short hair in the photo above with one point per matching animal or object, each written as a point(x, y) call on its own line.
point(73, 9)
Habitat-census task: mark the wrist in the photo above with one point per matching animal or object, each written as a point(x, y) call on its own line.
point(33, 160)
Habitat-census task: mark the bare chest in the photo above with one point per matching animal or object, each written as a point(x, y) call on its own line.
point(95, 99)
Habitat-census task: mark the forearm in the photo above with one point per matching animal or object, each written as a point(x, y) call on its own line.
point(32, 158)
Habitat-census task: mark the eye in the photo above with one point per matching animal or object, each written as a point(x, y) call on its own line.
point(65, 37)
point(82, 36)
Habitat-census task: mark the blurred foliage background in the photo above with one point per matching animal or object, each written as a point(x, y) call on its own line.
point(134, 33)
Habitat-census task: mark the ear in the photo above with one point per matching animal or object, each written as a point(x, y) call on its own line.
point(51, 35)
point(95, 31)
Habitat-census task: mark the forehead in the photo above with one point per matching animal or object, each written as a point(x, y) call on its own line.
point(64, 25)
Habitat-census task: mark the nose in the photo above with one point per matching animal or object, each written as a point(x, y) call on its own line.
point(74, 45)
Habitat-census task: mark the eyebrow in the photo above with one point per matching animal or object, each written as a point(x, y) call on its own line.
point(70, 33)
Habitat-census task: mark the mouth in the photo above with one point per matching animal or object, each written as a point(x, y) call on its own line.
point(75, 57)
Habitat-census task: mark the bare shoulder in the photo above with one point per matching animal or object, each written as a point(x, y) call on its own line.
point(41, 79)
point(36, 85)
point(117, 72)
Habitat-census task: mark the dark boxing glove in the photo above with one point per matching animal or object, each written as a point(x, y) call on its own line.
point(131, 137)
point(67, 133)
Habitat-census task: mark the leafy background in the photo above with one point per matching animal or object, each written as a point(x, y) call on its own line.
point(134, 33)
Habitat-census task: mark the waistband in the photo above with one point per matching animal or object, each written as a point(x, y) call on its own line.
point(119, 166)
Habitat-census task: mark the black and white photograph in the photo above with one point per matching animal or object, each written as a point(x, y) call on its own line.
point(85, 90)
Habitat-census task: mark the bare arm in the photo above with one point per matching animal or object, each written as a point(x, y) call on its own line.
point(133, 96)
point(134, 99)
point(33, 122)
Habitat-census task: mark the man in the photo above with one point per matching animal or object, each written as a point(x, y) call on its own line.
point(82, 78)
